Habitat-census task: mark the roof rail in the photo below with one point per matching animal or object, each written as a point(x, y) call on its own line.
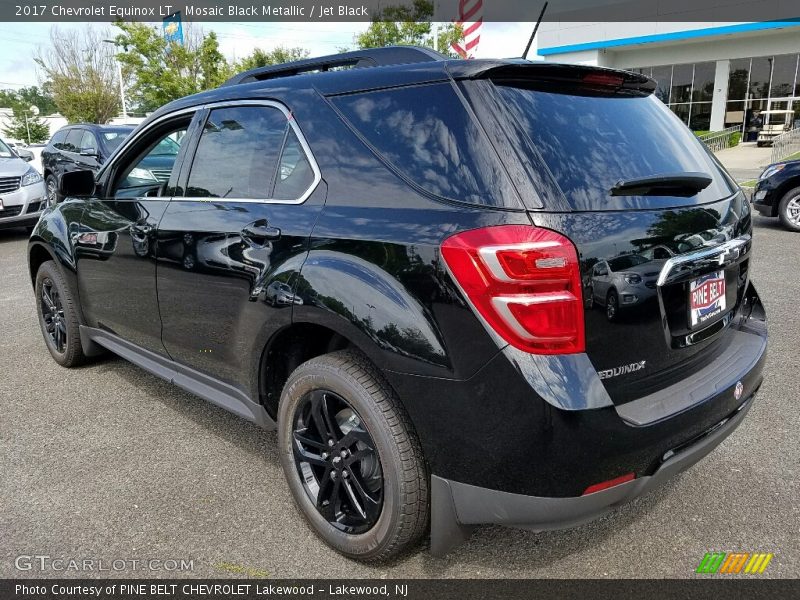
point(368, 57)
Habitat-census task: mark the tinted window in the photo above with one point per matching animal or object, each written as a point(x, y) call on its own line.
point(294, 172)
point(238, 152)
point(112, 139)
point(591, 142)
point(58, 138)
point(427, 134)
point(88, 142)
point(156, 166)
point(73, 142)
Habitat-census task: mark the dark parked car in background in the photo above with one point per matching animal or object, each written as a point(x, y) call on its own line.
point(777, 193)
point(431, 360)
point(88, 147)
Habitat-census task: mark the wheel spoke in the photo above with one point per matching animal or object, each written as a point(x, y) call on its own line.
point(354, 502)
point(330, 509)
point(46, 297)
point(307, 441)
point(311, 459)
point(322, 418)
point(357, 435)
point(355, 479)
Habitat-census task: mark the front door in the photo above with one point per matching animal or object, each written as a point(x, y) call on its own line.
point(116, 248)
point(233, 239)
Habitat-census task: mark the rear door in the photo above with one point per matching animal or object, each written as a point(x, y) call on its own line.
point(234, 237)
point(673, 262)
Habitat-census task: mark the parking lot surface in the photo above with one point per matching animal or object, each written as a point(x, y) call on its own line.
point(107, 462)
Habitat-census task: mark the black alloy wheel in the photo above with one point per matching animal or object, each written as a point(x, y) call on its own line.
point(53, 316)
point(337, 462)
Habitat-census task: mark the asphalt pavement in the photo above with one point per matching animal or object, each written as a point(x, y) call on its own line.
point(107, 462)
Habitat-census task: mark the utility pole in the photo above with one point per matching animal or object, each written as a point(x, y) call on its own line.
point(121, 84)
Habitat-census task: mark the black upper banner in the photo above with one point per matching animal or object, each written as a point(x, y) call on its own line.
point(706, 11)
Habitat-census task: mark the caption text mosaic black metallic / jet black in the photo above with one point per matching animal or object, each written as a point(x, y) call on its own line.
point(464, 292)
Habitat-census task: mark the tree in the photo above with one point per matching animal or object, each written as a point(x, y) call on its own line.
point(34, 131)
point(29, 96)
point(159, 71)
point(81, 74)
point(279, 55)
point(408, 26)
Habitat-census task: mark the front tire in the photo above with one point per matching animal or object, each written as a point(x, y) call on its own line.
point(351, 457)
point(612, 306)
point(58, 316)
point(789, 210)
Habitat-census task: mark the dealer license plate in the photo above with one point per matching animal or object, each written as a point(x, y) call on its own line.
point(706, 298)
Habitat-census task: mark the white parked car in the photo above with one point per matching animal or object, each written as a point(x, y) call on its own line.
point(22, 191)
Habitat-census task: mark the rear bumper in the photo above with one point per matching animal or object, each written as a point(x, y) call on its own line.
point(458, 507)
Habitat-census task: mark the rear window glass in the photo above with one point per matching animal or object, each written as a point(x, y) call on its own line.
point(591, 142)
point(428, 136)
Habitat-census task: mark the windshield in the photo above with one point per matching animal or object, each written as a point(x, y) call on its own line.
point(166, 147)
point(112, 139)
point(590, 142)
point(626, 262)
point(5, 151)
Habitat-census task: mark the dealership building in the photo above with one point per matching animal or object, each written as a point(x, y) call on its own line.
point(712, 75)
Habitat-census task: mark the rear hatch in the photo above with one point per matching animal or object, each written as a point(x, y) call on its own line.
point(662, 232)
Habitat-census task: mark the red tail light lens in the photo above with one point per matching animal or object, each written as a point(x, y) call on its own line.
point(603, 79)
point(525, 282)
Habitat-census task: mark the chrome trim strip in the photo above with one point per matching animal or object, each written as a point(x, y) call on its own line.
point(232, 103)
point(724, 253)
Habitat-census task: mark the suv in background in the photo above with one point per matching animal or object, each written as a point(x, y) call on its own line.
point(431, 358)
point(777, 193)
point(88, 147)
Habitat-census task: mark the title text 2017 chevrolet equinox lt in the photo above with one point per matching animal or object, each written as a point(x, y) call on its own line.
point(436, 223)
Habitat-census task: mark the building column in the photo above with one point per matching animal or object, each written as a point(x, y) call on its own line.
point(720, 99)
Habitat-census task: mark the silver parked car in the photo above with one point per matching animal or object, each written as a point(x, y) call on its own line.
point(22, 191)
point(624, 282)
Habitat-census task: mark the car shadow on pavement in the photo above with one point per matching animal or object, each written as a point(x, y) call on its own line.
point(13, 235)
point(217, 421)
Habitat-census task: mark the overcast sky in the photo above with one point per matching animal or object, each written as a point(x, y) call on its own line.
point(18, 42)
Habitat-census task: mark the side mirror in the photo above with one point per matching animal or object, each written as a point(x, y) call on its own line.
point(90, 152)
point(76, 183)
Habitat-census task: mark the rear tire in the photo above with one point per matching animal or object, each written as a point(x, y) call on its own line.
point(789, 210)
point(58, 316)
point(358, 415)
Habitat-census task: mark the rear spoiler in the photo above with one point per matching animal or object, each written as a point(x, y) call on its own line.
point(532, 73)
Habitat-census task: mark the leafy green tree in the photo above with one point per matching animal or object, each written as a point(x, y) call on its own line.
point(408, 26)
point(18, 129)
point(158, 72)
point(279, 55)
point(28, 96)
point(81, 74)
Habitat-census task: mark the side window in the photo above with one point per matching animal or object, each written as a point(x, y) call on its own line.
point(237, 155)
point(295, 174)
point(427, 134)
point(154, 160)
point(58, 138)
point(73, 141)
point(88, 143)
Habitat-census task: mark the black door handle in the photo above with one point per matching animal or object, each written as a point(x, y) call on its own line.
point(260, 232)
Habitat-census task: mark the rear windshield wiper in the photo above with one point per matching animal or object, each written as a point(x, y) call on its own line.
point(666, 184)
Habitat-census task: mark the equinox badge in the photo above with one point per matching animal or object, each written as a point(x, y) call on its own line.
point(623, 370)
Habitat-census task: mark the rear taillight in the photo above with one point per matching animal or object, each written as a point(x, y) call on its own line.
point(525, 282)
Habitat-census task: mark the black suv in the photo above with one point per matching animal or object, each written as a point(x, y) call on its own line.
point(777, 193)
point(432, 226)
point(88, 147)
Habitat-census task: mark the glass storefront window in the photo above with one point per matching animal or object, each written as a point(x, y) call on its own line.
point(703, 86)
point(760, 69)
point(682, 110)
point(700, 119)
point(681, 83)
point(663, 77)
point(783, 72)
point(737, 80)
point(734, 113)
